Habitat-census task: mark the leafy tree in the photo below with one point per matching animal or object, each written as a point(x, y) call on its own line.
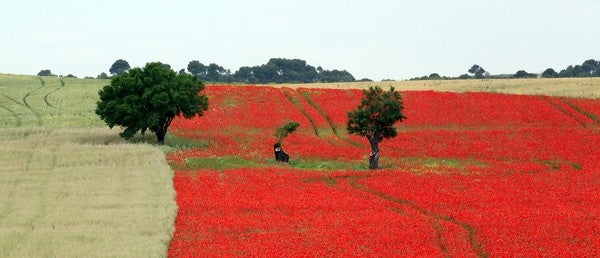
point(119, 67)
point(286, 129)
point(375, 117)
point(435, 76)
point(521, 74)
point(196, 68)
point(588, 67)
point(568, 72)
point(71, 76)
point(103, 75)
point(336, 76)
point(214, 72)
point(45, 73)
point(149, 98)
point(464, 76)
point(477, 71)
point(549, 73)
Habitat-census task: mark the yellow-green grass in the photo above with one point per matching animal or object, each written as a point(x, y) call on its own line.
point(34, 101)
point(71, 187)
point(569, 87)
point(83, 193)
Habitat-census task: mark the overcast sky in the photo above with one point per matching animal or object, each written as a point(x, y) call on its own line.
point(376, 39)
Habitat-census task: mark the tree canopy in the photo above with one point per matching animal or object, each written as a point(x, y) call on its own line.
point(119, 67)
point(282, 132)
point(477, 71)
point(375, 117)
point(149, 98)
point(45, 73)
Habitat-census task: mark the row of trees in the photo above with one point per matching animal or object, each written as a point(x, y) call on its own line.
point(589, 68)
point(277, 70)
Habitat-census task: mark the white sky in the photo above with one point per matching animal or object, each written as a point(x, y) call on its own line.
point(377, 39)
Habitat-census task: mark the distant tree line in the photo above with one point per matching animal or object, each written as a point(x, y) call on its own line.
point(589, 68)
point(277, 70)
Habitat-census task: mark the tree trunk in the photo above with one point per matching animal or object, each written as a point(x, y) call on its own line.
point(374, 156)
point(160, 136)
point(161, 132)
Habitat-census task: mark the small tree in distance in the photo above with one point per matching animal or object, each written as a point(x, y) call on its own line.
point(477, 71)
point(45, 73)
point(119, 67)
point(375, 117)
point(149, 98)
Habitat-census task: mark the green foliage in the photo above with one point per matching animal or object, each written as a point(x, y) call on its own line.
point(375, 118)
point(283, 131)
point(589, 68)
point(196, 68)
point(549, 73)
point(282, 70)
point(523, 74)
point(119, 67)
point(376, 115)
point(149, 99)
point(477, 71)
point(102, 75)
point(45, 73)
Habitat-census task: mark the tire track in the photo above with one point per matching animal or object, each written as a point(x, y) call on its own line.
point(62, 84)
point(28, 106)
point(436, 218)
point(297, 104)
point(328, 119)
point(580, 110)
point(564, 111)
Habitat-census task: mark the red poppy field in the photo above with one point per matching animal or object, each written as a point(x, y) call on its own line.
point(469, 174)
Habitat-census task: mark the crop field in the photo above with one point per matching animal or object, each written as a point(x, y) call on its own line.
point(472, 172)
point(567, 87)
point(71, 189)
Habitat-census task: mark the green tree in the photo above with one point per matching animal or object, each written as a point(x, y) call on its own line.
point(522, 74)
point(477, 71)
point(119, 67)
point(549, 73)
point(102, 75)
point(375, 117)
point(45, 73)
point(149, 98)
point(196, 68)
point(282, 132)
